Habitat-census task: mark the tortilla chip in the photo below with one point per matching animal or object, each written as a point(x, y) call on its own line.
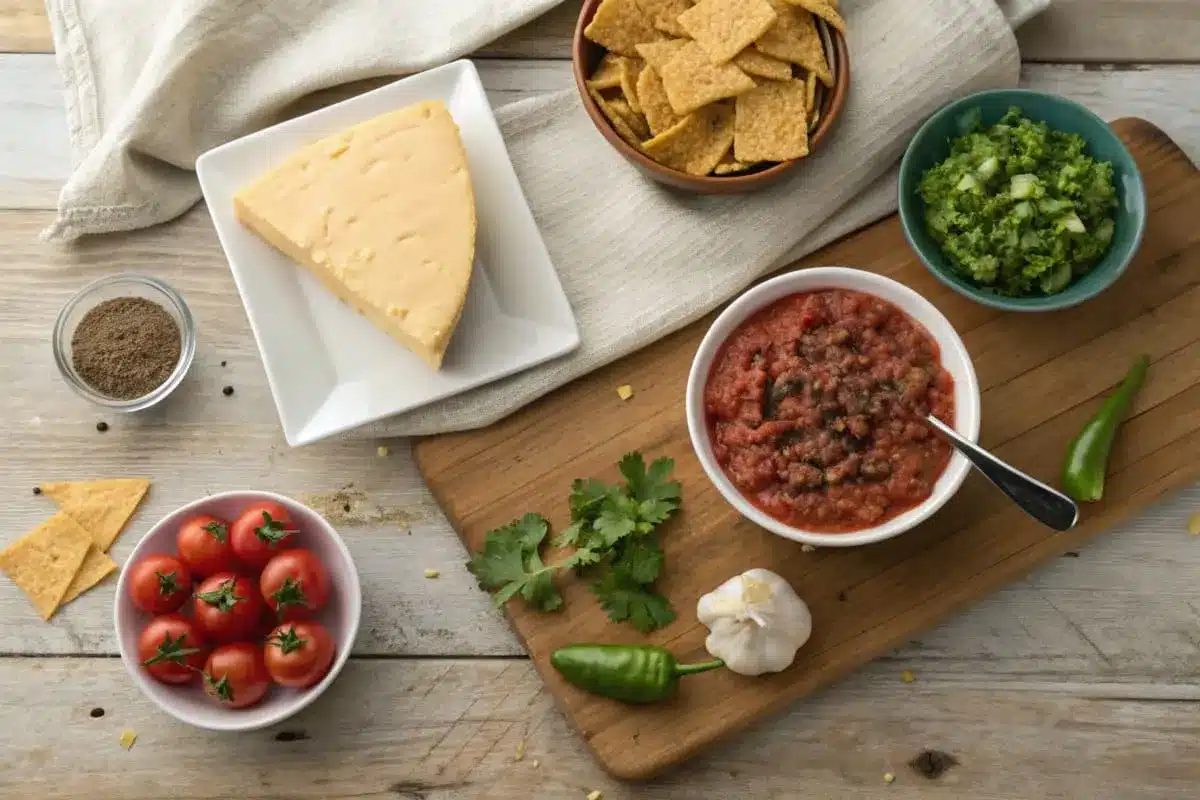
point(730, 166)
point(825, 9)
point(619, 25)
point(655, 105)
point(101, 507)
point(43, 562)
point(697, 143)
point(629, 70)
point(724, 28)
point(771, 123)
point(810, 91)
point(635, 121)
point(752, 62)
point(657, 54)
point(618, 122)
point(692, 81)
point(664, 14)
point(607, 74)
point(96, 567)
point(794, 38)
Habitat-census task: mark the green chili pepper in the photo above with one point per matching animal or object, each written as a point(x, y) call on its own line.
point(1087, 457)
point(632, 673)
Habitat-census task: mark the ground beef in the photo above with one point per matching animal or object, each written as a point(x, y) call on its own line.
point(814, 407)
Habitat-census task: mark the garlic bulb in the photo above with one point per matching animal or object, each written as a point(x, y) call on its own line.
point(756, 622)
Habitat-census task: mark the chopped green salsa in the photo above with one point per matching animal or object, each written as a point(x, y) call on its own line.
point(1018, 207)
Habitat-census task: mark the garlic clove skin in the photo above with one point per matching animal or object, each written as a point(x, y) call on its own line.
point(756, 622)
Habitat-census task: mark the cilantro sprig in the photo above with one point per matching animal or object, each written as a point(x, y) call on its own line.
point(509, 564)
point(614, 530)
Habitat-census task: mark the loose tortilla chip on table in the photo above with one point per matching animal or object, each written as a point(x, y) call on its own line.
point(101, 507)
point(771, 123)
point(96, 567)
point(629, 70)
point(656, 107)
point(664, 14)
point(724, 28)
point(619, 124)
point(697, 143)
point(619, 25)
point(825, 9)
point(43, 562)
point(635, 121)
point(657, 54)
point(692, 81)
point(608, 72)
point(794, 38)
point(752, 62)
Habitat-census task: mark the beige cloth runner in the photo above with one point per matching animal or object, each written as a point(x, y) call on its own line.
point(152, 84)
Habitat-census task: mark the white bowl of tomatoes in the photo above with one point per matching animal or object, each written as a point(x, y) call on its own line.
point(236, 611)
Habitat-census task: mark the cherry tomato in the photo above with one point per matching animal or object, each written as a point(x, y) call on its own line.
point(259, 532)
point(203, 544)
point(298, 654)
point(295, 584)
point(172, 649)
point(228, 607)
point(159, 584)
point(235, 675)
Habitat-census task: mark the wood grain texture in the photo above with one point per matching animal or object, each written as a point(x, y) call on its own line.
point(1041, 376)
point(449, 730)
point(24, 27)
point(1072, 30)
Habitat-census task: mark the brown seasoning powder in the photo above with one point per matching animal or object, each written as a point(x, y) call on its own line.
point(125, 347)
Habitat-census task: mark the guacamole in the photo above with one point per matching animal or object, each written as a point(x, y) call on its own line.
point(1019, 208)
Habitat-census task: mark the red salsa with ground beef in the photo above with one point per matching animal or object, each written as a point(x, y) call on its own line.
point(815, 408)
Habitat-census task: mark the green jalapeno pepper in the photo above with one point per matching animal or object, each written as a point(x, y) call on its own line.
point(631, 673)
point(1087, 457)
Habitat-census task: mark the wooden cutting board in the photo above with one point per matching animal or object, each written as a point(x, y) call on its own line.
point(1042, 376)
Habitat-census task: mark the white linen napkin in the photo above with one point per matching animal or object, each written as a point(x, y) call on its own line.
point(152, 84)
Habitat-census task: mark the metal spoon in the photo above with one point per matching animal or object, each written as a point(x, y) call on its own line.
point(1048, 506)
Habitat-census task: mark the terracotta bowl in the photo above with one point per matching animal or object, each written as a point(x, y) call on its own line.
point(586, 55)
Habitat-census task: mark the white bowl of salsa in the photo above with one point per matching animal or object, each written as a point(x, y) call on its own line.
point(806, 403)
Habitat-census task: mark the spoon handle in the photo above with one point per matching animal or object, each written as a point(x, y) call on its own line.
point(1045, 504)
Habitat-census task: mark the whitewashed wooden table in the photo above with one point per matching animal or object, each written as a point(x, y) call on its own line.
point(1079, 682)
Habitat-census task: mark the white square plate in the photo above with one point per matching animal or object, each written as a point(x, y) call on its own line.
point(329, 369)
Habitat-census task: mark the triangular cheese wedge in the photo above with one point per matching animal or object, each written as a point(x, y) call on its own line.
point(101, 507)
point(384, 215)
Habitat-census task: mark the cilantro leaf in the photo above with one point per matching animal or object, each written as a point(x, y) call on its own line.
point(641, 559)
point(529, 530)
point(649, 484)
point(509, 564)
point(613, 525)
point(571, 535)
point(538, 589)
point(587, 496)
point(623, 599)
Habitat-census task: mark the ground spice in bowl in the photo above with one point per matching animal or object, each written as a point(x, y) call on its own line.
point(126, 347)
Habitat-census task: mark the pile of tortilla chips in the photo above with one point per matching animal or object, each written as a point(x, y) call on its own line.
point(715, 88)
point(65, 555)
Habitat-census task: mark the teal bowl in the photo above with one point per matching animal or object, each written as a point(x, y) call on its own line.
point(931, 144)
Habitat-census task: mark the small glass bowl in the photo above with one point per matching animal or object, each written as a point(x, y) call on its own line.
point(126, 284)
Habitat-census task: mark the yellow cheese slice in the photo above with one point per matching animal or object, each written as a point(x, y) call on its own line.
point(384, 215)
point(101, 507)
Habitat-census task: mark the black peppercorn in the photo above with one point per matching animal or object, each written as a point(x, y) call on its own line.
point(228, 390)
point(102, 426)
